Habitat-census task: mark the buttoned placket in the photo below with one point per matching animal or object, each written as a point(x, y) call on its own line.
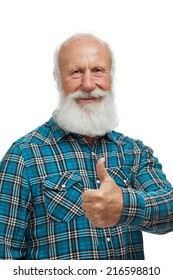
point(105, 233)
point(105, 238)
point(94, 159)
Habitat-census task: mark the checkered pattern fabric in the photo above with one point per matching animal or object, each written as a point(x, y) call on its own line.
point(42, 178)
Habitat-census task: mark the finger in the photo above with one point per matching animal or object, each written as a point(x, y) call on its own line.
point(87, 206)
point(88, 195)
point(89, 215)
point(101, 170)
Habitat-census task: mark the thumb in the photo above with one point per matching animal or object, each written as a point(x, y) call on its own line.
point(101, 170)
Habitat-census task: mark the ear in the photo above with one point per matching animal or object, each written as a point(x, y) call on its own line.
point(58, 86)
point(55, 77)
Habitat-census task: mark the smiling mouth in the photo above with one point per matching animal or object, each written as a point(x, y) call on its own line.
point(86, 100)
point(89, 98)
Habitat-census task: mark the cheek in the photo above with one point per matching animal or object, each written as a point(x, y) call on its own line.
point(70, 86)
point(106, 83)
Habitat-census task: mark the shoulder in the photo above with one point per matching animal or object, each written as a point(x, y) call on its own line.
point(39, 136)
point(129, 145)
point(126, 141)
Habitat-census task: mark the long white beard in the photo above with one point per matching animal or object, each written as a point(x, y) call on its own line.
point(90, 119)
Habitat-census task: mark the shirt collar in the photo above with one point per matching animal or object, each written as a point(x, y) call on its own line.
point(60, 133)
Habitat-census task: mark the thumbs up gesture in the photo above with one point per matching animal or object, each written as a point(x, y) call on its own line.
point(104, 206)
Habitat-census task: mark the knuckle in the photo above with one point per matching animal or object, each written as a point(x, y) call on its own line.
point(99, 207)
point(99, 196)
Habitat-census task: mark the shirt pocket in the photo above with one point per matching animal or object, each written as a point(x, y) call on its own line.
point(123, 176)
point(62, 195)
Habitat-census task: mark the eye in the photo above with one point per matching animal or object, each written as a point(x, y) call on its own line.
point(97, 71)
point(76, 73)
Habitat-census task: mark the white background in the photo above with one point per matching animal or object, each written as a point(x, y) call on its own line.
point(141, 34)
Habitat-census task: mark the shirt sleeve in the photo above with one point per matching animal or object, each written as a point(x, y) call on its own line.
point(148, 203)
point(15, 205)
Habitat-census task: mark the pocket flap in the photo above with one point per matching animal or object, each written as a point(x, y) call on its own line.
point(62, 194)
point(121, 175)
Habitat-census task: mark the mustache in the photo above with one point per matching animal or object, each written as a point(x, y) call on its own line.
point(88, 95)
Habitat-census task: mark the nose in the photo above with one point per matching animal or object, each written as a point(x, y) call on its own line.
point(88, 82)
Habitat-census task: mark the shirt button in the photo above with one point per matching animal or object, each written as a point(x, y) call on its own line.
point(93, 154)
point(98, 181)
point(63, 186)
point(108, 239)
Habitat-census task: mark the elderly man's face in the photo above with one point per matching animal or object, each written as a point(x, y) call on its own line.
point(85, 64)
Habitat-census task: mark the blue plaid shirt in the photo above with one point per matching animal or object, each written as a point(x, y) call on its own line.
point(42, 178)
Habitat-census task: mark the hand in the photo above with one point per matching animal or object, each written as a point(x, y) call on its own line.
point(104, 206)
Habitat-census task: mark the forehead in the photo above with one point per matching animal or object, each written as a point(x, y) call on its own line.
point(84, 48)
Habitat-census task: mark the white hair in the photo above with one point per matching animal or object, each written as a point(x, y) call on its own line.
point(91, 119)
point(56, 72)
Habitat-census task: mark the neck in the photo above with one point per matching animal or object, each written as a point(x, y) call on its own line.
point(90, 140)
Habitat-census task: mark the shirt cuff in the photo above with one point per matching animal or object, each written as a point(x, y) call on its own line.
point(133, 209)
